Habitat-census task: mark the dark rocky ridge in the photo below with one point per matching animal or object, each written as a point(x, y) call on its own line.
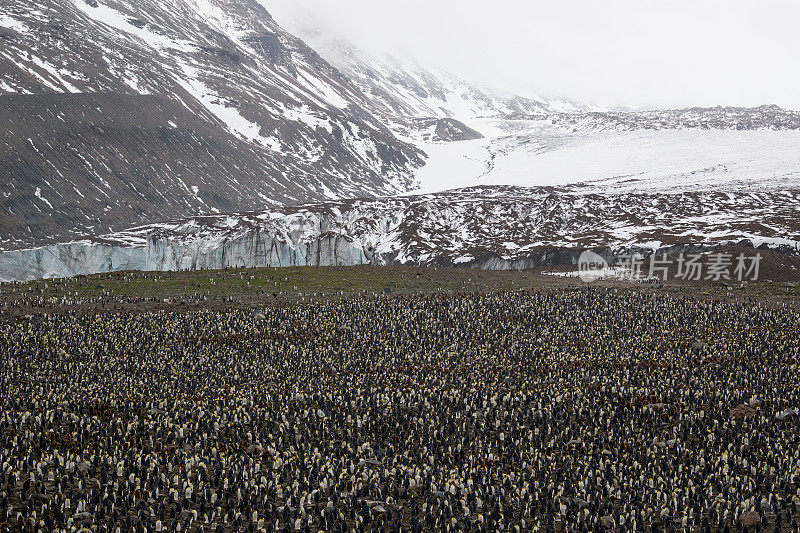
point(445, 130)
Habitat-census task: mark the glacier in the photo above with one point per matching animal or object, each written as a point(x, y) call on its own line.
point(250, 249)
point(492, 227)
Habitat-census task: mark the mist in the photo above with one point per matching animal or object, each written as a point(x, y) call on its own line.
point(630, 53)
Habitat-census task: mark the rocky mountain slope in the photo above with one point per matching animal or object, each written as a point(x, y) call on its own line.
point(485, 227)
point(117, 112)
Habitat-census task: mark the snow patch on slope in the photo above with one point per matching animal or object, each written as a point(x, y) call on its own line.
point(104, 14)
point(13, 24)
point(229, 115)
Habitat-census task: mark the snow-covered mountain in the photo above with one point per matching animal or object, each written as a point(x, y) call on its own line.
point(485, 227)
point(610, 184)
point(117, 112)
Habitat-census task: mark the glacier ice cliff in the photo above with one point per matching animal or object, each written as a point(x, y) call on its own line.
point(250, 249)
point(497, 228)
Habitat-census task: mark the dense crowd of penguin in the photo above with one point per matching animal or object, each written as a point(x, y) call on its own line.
point(547, 411)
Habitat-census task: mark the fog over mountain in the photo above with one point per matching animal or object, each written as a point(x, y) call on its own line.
point(620, 53)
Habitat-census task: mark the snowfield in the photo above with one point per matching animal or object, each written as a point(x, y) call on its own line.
point(533, 153)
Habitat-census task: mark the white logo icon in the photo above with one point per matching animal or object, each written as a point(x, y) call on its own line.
point(592, 267)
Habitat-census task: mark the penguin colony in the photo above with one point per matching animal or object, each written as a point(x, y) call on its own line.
point(552, 411)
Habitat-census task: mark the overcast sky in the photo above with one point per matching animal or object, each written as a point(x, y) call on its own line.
point(627, 52)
